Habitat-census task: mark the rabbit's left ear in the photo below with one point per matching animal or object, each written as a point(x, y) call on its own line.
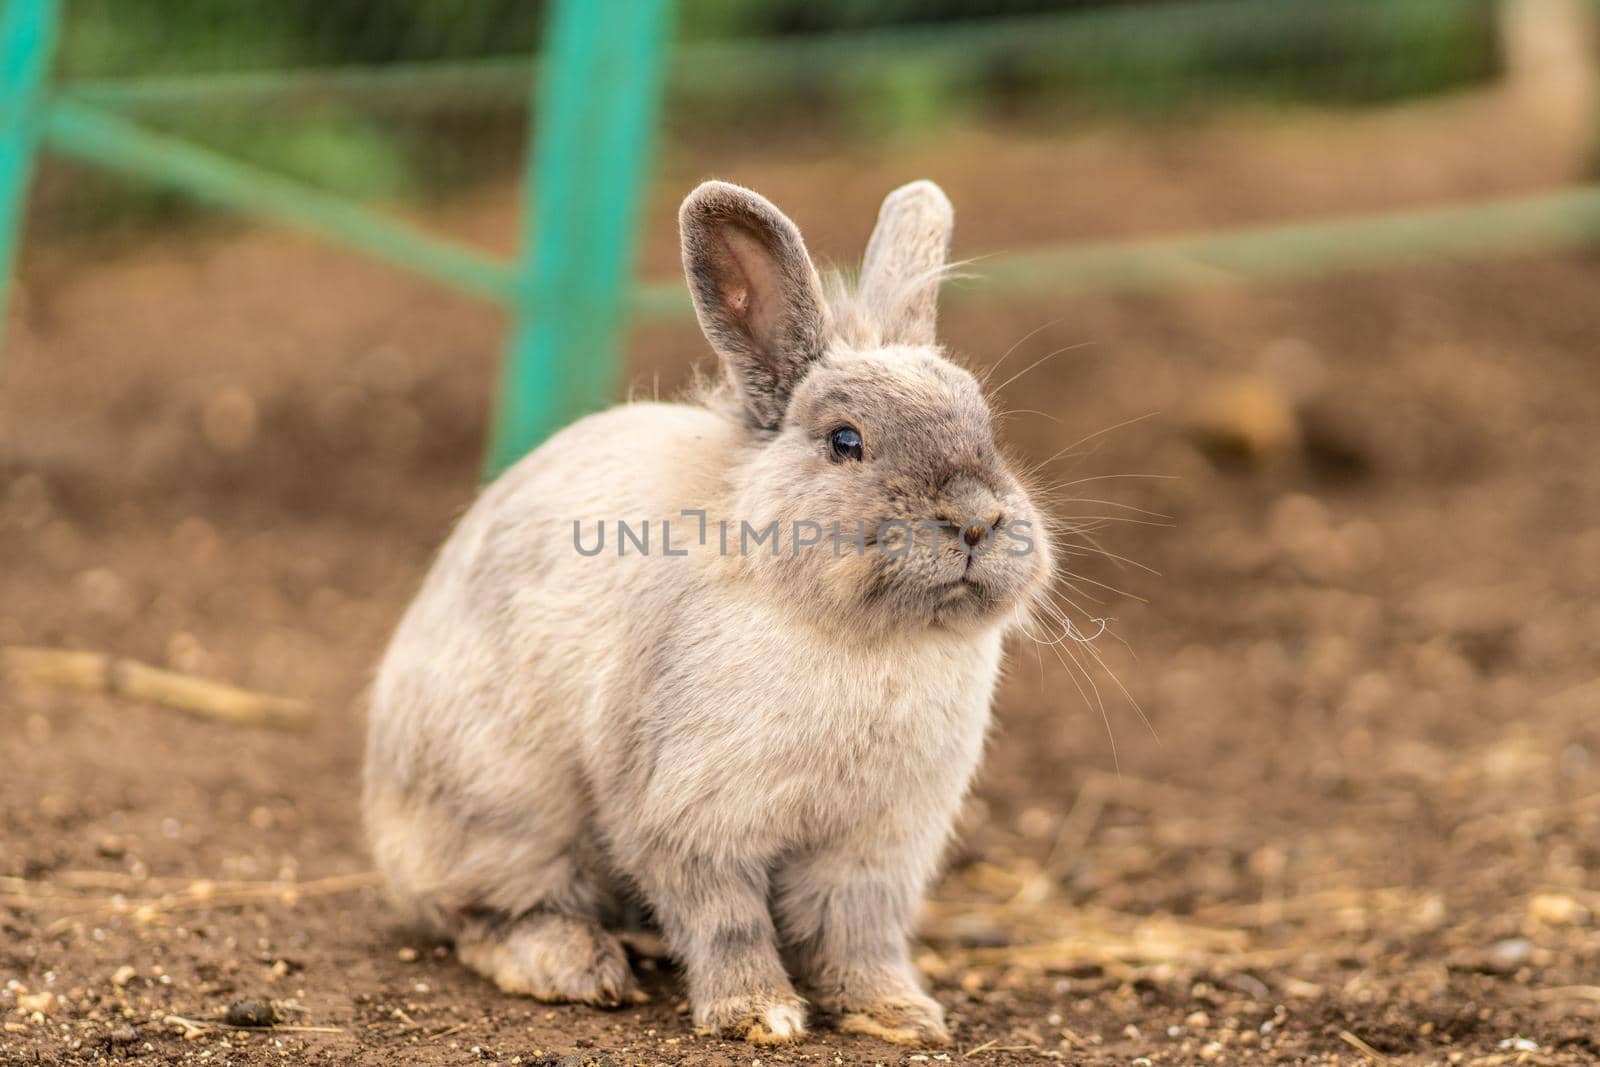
point(905, 262)
point(756, 294)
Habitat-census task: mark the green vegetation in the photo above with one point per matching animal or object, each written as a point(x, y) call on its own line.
point(888, 68)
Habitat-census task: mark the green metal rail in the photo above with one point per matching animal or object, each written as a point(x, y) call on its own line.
point(1569, 218)
point(594, 112)
point(597, 97)
point(95, 136)
point(27, 41)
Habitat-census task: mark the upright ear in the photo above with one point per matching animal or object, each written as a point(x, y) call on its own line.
point(756, 294)
point(905, 262)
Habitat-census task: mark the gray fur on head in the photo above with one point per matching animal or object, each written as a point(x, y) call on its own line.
point(764, 751)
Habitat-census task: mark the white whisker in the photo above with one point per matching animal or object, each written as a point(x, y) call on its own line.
point(1105, 717)
point(1024, 339)
point(1028, 411)
point(1100, 433)
point(1042, 359)
point(1108, 588)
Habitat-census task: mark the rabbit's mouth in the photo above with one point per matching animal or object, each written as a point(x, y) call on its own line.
point(969, 593)
point(947, 591)
point(959, 589)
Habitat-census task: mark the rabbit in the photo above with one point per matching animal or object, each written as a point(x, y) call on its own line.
point(762, 749)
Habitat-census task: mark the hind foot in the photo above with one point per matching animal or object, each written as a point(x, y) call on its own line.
point(553, 958)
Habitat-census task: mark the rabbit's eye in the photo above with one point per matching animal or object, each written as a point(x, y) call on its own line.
point(845, 443)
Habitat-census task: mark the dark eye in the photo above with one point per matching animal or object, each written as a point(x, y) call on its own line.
point(845, 443)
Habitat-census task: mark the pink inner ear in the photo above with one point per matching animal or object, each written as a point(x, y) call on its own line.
point(753, 279)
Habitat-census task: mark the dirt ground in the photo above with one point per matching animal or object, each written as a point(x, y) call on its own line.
point(1361, 826)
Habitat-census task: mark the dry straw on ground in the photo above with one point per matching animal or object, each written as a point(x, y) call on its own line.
point(102, 673)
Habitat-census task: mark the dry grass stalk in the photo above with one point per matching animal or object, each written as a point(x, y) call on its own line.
point(203, 895)
point(196, 1027)
point(1098, 790)
point(120, 881)
point(1557, 994)
point(995, 1046)
point(1107, 939)
point(1314, 905)
point(1362, 1047)
point(101, 673)
point(32, 900)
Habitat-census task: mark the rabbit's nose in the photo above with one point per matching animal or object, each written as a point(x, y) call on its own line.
point(974, 532)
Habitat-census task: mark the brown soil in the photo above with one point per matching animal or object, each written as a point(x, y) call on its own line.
point(1363, 824)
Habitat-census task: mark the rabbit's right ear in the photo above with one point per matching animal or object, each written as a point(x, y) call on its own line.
point(905, 262)
point(756, 294)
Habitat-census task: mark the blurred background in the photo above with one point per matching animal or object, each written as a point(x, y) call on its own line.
point(1292, 308)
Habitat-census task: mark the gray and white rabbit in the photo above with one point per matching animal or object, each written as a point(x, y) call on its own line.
point(764, 744)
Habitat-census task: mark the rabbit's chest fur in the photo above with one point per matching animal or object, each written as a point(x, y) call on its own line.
point(792, 739)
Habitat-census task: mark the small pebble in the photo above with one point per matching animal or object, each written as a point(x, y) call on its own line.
point(407, 955)
point(1248, 984)
point(1506, 956)
point(1556, 909)
point(43, 1003)
point(250, 1013)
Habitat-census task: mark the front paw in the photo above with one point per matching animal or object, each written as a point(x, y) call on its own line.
point(905, 1019)
point(760, 1018)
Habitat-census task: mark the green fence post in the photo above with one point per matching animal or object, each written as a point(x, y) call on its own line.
point(595, 107)
point(27, 39)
